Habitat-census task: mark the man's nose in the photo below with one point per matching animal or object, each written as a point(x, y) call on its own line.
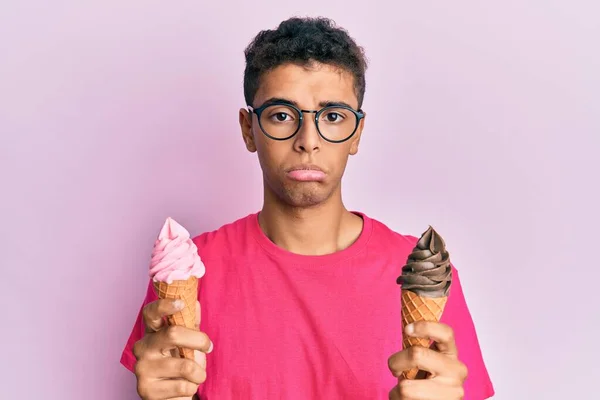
point(307, 139)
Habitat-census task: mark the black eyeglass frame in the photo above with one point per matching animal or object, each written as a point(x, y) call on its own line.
point(258, 111)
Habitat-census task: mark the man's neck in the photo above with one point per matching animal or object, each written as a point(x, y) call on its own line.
point(323, 229)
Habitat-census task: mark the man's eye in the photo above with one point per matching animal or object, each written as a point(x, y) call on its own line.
point(333, 117)
point(281, 117)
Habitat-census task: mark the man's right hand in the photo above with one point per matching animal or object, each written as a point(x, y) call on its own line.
point(160, 373)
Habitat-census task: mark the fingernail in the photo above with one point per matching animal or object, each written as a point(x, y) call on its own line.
point(210, 349)
point(410, 329)
point(178, 304)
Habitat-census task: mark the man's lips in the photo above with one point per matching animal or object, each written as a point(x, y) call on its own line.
point(306, 173)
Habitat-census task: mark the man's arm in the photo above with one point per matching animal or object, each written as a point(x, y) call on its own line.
point(478, 384)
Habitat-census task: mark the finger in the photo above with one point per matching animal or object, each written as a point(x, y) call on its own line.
point(424, 359)
point(428, 389)
point(176, 368)
point(155, 312)
point(167, 389)
point(175, 336)
point(199, 356)
point(441, 334)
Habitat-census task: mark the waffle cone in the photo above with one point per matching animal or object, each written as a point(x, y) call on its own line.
point(188, 292)
point(416, 308)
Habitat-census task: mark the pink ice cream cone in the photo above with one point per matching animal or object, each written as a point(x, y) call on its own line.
point(175, 268)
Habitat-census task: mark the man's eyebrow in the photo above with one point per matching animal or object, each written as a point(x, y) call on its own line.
point(332, 103)
point(327, 103)
point(280, 100)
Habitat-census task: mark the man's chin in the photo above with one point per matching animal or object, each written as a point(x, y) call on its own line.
point(305, 198)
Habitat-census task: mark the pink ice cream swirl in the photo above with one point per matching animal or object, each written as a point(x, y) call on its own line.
point(175, 256)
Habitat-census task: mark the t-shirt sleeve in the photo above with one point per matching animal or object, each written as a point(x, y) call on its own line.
point(478, 385)
point(127, 357)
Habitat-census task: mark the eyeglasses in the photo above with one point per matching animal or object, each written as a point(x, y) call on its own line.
point(281, 121)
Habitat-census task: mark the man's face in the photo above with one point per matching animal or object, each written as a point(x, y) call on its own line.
point(285, 163)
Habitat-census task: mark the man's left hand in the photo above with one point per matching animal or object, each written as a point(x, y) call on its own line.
point(445, 373)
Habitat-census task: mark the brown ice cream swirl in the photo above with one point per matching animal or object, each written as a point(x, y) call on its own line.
point(428, 272)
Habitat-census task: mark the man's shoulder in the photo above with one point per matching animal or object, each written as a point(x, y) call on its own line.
point(386, 236)
point(225, 239)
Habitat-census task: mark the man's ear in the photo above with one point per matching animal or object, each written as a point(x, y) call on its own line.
point(245, 118)
point(355, 141)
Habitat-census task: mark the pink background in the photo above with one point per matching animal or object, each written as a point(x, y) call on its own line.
point(483, 120)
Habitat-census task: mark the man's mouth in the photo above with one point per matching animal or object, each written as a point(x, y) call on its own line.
point(306, 173)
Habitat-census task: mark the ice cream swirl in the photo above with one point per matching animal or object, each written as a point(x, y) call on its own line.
point(428, 272)
point(175, 256)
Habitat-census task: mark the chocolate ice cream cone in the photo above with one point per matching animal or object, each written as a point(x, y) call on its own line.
point(425, 284)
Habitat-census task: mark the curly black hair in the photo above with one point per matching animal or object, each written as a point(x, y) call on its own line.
point(301, 41)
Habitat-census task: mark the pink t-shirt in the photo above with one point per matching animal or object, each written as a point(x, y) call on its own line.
point(287, 326)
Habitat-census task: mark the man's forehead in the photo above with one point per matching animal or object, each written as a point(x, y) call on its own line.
point(307, 85)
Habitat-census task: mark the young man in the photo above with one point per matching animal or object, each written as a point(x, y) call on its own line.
point(299, 301)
